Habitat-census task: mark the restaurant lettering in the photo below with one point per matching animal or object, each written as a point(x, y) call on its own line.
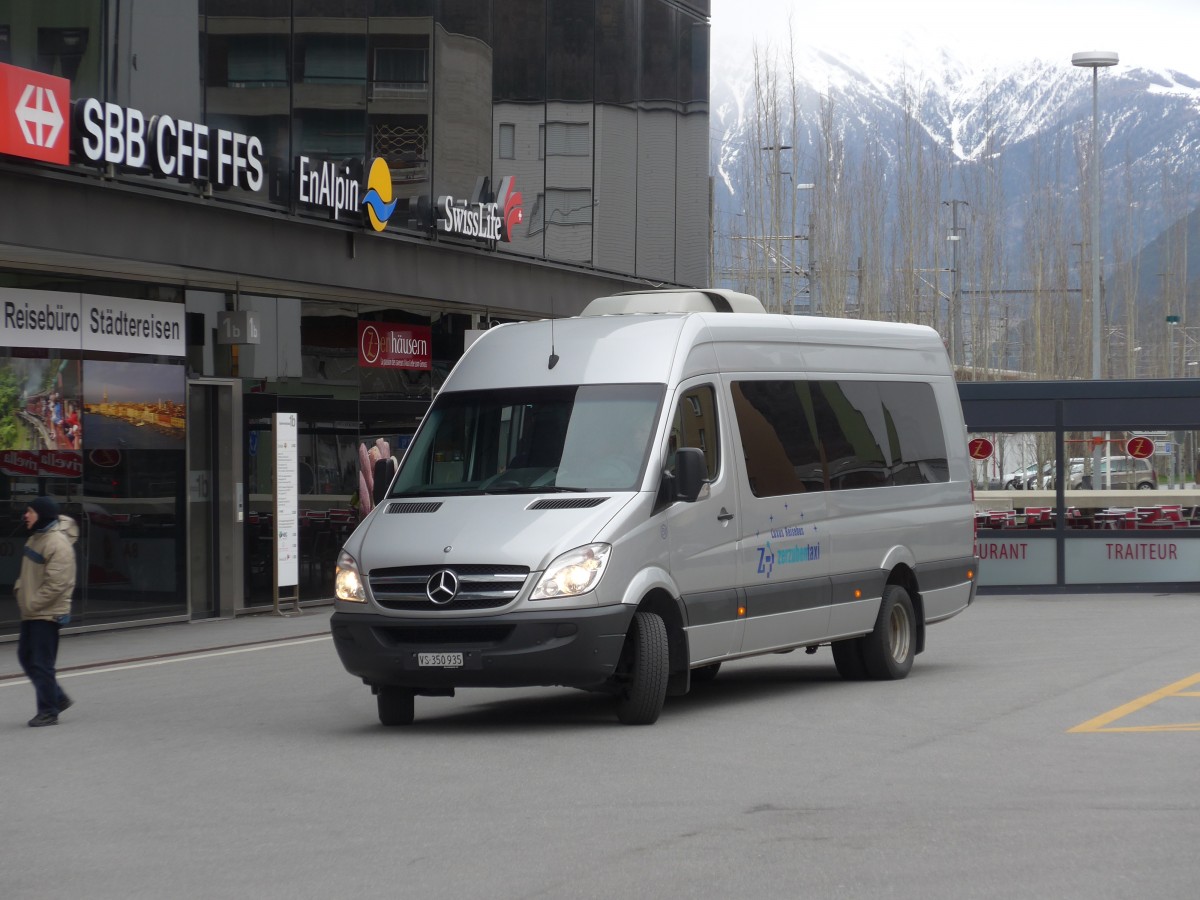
point(1137, 550)
point(1014, 550)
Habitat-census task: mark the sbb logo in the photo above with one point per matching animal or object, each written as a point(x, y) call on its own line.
point(34, 114)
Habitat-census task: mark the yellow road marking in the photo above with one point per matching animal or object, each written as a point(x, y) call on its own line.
point(1177, 689)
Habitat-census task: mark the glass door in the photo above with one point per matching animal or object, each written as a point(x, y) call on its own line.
point(214, 498)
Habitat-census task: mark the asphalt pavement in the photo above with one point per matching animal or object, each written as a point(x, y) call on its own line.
point(1043, 746)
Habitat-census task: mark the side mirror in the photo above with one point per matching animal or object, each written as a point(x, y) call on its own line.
point(691, 473)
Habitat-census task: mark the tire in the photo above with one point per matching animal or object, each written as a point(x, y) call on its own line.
point(1146, 486)
point(847, 656)
point(396, 705)
point(888, 650)
point(705, 674)
point(641, 676)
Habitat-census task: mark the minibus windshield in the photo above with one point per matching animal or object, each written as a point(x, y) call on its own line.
point(592, 437)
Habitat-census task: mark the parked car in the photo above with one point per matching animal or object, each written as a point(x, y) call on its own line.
point(1021, 479)
point(1029, 478)
point(1127, 473)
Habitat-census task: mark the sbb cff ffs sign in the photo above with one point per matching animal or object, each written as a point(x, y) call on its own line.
point(1140, 447)
point(34, 113)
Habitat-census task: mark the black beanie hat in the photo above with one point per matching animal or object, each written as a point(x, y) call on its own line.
point(46, 509)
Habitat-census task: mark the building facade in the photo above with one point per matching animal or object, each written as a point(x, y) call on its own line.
point(224, 215)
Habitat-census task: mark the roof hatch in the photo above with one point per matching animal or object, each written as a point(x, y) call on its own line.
point(674, 301)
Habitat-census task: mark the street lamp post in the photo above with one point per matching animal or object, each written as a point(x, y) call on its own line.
point(1095, 60)
point(775, 272)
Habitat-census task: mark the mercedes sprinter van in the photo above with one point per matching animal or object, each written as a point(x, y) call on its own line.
point(625, 500)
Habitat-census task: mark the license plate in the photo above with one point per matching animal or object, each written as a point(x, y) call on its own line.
point(440, 660)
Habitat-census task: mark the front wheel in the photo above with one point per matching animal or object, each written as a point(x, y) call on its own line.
point(396, 705)
point(643, 670)
point(888, 650)
point(1147, 486)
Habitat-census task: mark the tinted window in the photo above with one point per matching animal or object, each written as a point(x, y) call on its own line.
point(802, 436)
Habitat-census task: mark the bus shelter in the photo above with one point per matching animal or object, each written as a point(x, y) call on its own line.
point(1086, 485)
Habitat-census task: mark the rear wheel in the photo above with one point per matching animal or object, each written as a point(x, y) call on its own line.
point(888, 650)
point(642, 673)
point(396, 705)
point(847, 656)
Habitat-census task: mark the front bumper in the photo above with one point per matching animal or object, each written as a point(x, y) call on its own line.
point(573, 648)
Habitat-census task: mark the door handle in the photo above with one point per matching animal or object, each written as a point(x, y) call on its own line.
point(724, 515)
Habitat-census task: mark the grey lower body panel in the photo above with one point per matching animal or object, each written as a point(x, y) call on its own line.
point(573, 648)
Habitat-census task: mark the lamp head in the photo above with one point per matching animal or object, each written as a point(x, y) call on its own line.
point(1094, 59)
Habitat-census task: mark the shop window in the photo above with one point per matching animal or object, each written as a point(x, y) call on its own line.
point(565, 207)
point(61, 50)
point(399, 71)
point(568, 139)
point(330, 133)
point(334, 59)
point(507, 142)
point(403, 141)
point(257, 60)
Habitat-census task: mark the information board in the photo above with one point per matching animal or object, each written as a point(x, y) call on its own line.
point(287, 498)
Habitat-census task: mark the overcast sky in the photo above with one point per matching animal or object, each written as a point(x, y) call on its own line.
point(1147, 33)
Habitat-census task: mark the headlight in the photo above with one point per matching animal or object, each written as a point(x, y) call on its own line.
point(575, 572)
point(346, 583)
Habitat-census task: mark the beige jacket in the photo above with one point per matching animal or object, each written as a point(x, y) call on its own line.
point(47, 578)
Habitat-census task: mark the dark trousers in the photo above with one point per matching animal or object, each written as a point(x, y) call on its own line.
point(37, 652)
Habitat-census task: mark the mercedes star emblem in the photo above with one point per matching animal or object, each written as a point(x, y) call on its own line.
point(442, 586)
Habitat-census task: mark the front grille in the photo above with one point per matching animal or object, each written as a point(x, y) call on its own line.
point(479, 587)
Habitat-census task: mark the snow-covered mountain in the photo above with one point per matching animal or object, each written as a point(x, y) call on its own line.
point(1026, 127)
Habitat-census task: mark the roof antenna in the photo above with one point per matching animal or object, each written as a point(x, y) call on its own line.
point(553, 356)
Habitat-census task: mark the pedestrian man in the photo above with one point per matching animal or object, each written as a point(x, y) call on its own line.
point(44, 588)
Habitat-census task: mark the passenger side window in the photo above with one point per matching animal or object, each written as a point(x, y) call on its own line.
point(695, 425)
point(800, 436)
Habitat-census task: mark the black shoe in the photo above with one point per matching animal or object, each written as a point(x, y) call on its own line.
point(65, 704)
point(43, 719)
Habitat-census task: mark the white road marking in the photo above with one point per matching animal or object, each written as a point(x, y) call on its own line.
point(190, 657)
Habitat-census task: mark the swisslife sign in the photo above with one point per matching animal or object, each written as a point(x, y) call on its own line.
point(482, 218)
point(38, 121)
